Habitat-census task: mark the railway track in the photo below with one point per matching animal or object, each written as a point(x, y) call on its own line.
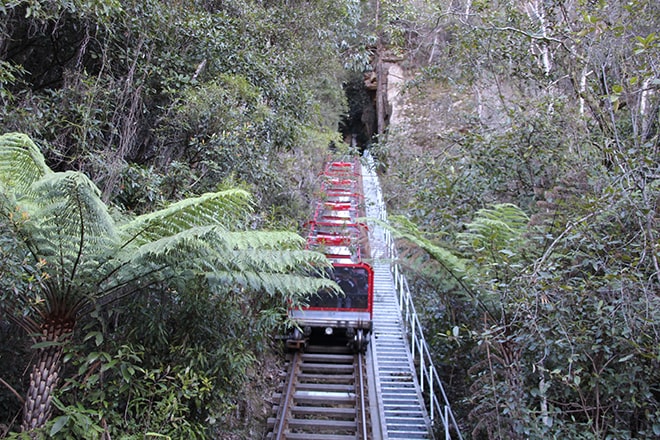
point(324, 397)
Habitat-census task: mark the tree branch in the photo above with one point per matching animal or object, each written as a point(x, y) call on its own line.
point(539, 37)
point(14, 392)
point(547, 253)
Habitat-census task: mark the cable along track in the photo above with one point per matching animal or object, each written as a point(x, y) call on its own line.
point(324, 397)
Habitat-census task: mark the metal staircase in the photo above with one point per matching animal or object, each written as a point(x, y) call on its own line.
point(400, 410)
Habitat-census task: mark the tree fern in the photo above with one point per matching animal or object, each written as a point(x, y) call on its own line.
point(255, 259)
point(407, 230)
point(455, 272)
point(294, 287)
point(21, 163)
point(229, 208)
point(497, 232)
point(69, 224)
point(89, 260)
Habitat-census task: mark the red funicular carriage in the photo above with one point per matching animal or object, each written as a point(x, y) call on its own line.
point(337, 232)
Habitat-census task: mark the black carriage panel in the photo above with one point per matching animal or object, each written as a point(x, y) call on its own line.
point(354, 282)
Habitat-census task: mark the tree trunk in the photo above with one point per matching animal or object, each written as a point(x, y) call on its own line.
point(45, 374)
point(381, 91)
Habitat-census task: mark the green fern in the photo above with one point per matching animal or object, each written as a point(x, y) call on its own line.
point(496, 232)
point(456, 274)
point(91, 260)
point(230, 208)
point(89, 256)
point(68, 229)
point(406, 229)
point(21, 163)
point(294, 287)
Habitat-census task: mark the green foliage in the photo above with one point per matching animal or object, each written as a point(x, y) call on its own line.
point(189, 92)
point(221, 140)
point(21, 164)
point(69, 227)
point(126, 398)
point(452, 268)
point(9, 75)
point(496, 240)
point(174, 363)
point(89, 261)
point(76, 422)
point(16, 274)
point(543, 106)
point(156, 102)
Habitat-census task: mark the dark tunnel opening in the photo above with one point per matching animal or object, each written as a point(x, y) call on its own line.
point(358, 126)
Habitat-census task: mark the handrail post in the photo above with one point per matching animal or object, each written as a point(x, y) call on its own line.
point(412, 344)
point(431, 391)
point(421, 369)
point(447, 436)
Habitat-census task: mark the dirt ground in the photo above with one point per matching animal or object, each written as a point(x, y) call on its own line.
point(254, 406)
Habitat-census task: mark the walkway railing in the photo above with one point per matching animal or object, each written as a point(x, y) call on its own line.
point(431, 386)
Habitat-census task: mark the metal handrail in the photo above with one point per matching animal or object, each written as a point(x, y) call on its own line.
point(430, 384)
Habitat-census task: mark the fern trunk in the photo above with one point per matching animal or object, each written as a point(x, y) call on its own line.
point(45, 374)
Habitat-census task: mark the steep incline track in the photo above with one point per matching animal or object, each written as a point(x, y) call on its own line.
point(323, 398)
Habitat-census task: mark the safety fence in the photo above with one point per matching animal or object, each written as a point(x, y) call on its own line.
point(436, 399)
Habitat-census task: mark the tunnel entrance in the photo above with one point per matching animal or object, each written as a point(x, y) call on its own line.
point(359, 125)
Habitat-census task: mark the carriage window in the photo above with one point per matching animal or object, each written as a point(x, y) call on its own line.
point(354, 282)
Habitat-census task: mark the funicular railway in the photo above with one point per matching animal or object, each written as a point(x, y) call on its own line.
point(368, 375)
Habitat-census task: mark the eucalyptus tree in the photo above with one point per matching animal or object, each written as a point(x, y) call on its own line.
point(88, 260)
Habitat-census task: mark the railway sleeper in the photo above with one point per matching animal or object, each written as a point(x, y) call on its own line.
point(336, 412)
point(322, 378)
point(327, 368)
point(315, 436)
point(308, 436)
point(328, 358)
point(316, 425)
point(330, 387)
point(324, 398)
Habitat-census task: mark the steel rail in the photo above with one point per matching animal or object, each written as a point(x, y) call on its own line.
point(362, 401)
point(325, 396)
point(287, 397)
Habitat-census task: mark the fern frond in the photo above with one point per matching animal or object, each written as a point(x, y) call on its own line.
point(229, 208)
point(69, 224)
point(89, 257)
point(272, 261)
point(207, 248)
point(172, 250)
point(265, 240)
point(256, 260)
point(291, 286)
point(495, 227)
point(409, 231)
point(21, 163)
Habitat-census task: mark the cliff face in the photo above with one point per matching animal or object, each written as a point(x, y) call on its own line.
point(395, 101)
point(361, 126)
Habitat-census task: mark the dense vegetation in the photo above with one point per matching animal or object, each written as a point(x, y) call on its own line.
point(525, 148)
point(529, 149)
point(150, 295)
